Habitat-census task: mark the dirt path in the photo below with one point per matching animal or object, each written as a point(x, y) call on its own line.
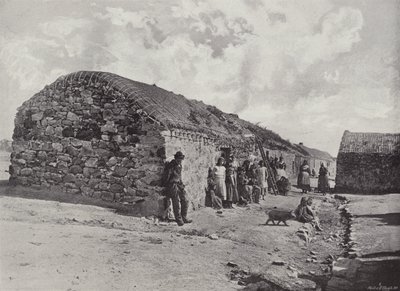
point(48, 245)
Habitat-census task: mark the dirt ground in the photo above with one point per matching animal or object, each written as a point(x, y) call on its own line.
point(51, 245)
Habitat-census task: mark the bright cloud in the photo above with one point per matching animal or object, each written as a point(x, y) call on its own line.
point(295, 67)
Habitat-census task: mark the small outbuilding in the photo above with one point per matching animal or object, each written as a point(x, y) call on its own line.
point(368, 163)
point(103, 136)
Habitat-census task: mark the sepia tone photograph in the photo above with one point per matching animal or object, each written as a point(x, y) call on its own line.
point(199, 145)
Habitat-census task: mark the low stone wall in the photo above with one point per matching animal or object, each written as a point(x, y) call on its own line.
point(368, 173)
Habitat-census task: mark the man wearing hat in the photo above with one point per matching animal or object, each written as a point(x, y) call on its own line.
point(176, 189)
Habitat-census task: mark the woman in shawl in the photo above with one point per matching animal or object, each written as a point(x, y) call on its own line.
point(219, 179)
point(231, 190)
point(303, 180)
point(323, 181)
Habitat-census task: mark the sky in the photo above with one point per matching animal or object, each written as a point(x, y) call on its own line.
point(307, 70)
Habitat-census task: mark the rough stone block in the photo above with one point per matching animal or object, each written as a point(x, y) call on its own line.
point(75, 169)
point(91, 163)
point(103, 186)
point(72, 116)
point(116, 188)
point(37, 116)
point(107, 196)
point(49, 130)
point(120, 171)
point(26, 171)
point(69, 178)
point(57, 146)
point(112, 161)
point(130, 191)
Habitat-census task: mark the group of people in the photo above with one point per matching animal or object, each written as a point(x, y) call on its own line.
point(278, 168)
point(303, 179)
point(228, 184)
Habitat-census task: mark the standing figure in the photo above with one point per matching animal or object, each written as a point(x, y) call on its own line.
point(175, 189)
point(303, 179)
point(219, 173)
point(243, 188)
point(274, 166)
point(211, 199)
point(323, 180)
point(252, 175)
point(262, 177)
point(282, 182)
point(231, 190)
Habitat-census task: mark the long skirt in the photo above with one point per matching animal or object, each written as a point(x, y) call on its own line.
point(220, 190)
point(283, 186)
point(323, 183)
point(212, 200)
point(303, 180)
point(231, 193)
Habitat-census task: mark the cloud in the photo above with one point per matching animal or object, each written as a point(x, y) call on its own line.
point(332, 77)
point(291, 66)
point(339, 32)
point(23, 66)
point(63, 26)
point(120, 17)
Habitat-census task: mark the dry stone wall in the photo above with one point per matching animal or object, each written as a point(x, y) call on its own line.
point(84, 137)
point(368, 173)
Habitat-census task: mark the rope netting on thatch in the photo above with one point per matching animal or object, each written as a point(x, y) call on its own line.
point(175, 111)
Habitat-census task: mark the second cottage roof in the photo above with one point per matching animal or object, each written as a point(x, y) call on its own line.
point(370, 142)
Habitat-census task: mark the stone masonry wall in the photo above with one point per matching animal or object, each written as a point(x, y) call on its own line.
point(84, 138)
point(368, 173)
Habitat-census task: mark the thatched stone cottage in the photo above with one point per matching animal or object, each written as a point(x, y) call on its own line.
point(368, 163)
point(108, 137)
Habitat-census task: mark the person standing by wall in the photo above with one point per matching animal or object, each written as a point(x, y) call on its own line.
point(231, 190)
point(242, 181)
point(303, 180)
point(282, 182)
point(323, 180)
point(219, 172)
point(176, 189)
point(262, 177)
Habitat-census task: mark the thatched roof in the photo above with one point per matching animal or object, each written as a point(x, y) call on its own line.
point(176, 111)
point(369, 142)
point(315, 153)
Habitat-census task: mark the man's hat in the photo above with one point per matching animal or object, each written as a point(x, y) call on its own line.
point(179, 155)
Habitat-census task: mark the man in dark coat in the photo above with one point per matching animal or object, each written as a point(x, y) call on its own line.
point(176, 190)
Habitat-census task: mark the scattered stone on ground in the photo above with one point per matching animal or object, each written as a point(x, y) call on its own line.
point(126, 246)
